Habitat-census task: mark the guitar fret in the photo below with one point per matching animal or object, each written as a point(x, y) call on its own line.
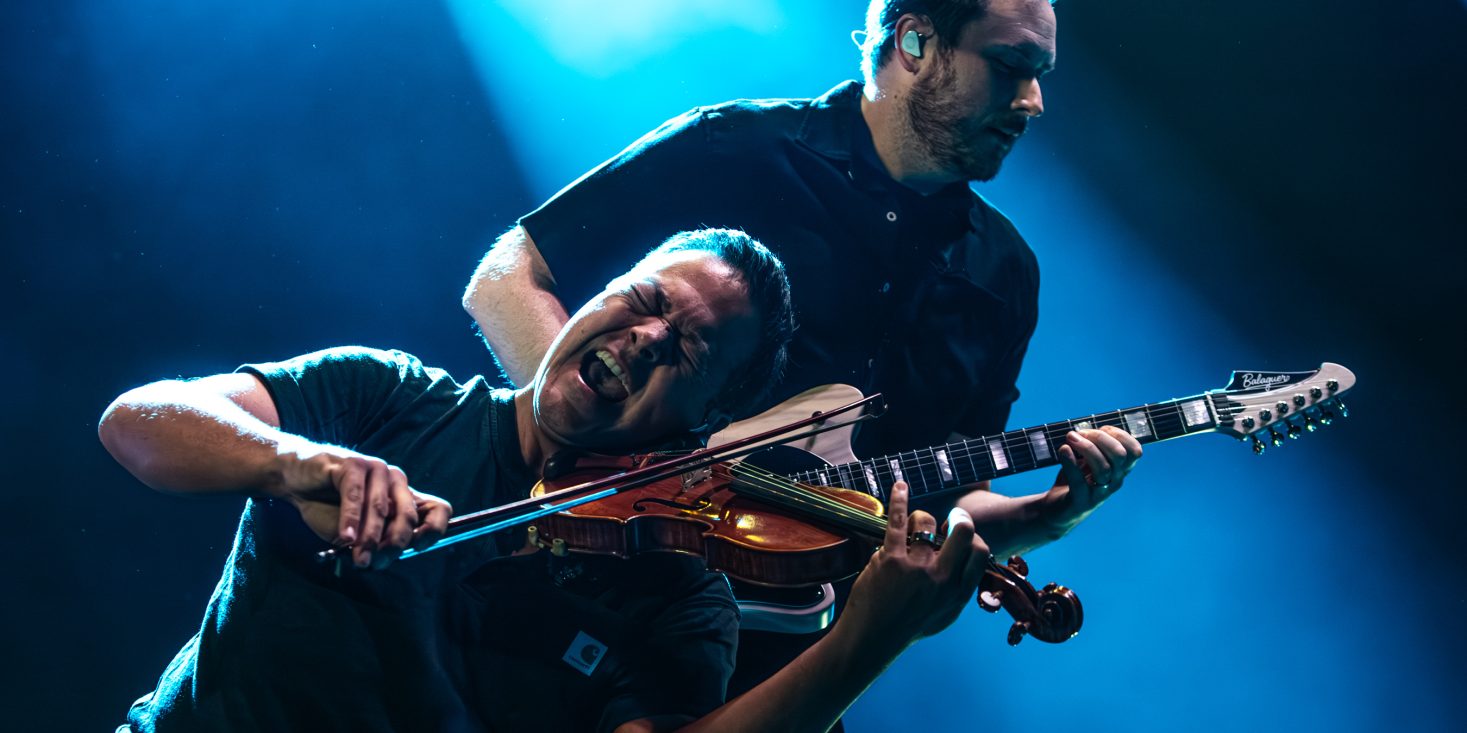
point(999, 455)
point(912, 467)
point(1020, 440)
point(930, 470)
point(944, 466)
point(872, 486)
point(1194, 412)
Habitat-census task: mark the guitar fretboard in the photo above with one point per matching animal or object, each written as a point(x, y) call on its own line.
point(955, 465)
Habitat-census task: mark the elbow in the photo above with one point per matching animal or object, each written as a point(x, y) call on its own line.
point(490, 281)
point(112, 428)
point(125, 426)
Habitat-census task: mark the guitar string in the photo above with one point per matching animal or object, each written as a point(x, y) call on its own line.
point(1171, 419)
point(968, 449)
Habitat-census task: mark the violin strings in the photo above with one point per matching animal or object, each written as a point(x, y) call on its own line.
point(782, 488)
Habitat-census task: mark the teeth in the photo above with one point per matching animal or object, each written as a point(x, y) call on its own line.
point(616, 371)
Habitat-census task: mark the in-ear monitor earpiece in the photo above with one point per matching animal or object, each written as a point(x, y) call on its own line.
point(912, 43)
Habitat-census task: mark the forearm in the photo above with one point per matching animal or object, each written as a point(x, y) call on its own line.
point(808, 694)
point(177, 437)
point(512, 298)
point(1014, 525)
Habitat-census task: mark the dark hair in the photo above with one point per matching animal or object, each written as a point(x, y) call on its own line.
point(769, 293)
point(947, 16)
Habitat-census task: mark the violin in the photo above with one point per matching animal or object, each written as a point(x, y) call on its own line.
point(746, 521)
point(763, 528)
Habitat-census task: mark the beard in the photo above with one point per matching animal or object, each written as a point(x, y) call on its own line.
point(938, 122)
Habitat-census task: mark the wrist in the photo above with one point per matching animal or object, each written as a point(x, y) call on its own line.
point(1056, 510)
point(297, 465)
point(863, 650)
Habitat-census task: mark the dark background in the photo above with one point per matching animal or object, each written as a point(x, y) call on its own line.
point(189, 186)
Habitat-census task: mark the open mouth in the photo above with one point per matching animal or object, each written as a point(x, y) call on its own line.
point(604, 376)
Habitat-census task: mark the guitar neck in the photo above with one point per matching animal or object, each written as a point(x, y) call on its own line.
point(940, 469)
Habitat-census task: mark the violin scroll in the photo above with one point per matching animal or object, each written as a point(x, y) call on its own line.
point(1051, 615)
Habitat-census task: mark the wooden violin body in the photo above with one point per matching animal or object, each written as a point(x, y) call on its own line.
point(702, 513)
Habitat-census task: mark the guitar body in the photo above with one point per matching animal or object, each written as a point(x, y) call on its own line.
point(832, 447)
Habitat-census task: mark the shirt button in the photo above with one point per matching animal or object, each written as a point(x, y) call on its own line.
point(891, 216)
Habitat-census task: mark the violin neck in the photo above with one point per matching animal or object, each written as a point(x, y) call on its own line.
point(951, 467)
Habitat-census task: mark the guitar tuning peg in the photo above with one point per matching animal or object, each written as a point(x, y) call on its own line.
point(1326, 417)
point(1309, 424)
point(1258, 446)
point(1276, 437)
point(1344, 411)
point(1294, 431)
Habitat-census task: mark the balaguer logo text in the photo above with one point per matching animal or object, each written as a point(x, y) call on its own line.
point(1251, 381)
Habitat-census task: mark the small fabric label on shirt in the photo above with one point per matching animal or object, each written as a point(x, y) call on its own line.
point(584, 653)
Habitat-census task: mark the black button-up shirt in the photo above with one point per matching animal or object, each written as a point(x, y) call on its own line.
point(930, 299)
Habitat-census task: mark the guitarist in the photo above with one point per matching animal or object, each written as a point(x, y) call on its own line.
point(341, 447)
point(905, 281)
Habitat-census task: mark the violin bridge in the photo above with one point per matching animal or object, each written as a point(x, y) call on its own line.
point(692, 478)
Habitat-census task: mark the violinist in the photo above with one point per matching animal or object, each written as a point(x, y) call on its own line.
point(371, 451)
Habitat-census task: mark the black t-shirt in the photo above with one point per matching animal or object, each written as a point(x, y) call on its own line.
point(930, 300)
point(454, 640)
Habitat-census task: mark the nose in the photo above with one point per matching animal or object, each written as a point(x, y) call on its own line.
point(1029, 99)
point(650, 340)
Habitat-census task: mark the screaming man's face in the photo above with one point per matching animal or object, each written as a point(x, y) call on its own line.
point(643, 360)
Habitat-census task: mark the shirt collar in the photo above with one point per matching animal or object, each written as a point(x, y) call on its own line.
point(832, 121)
point(833, 127)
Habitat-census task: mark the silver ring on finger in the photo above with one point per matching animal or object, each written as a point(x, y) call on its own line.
point(926, 538)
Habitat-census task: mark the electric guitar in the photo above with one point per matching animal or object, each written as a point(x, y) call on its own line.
point(1260, 408)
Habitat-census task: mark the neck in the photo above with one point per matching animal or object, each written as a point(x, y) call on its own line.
point(535, 446)
point(895, 143)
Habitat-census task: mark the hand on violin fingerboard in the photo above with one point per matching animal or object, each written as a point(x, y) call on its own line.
point(911, 590)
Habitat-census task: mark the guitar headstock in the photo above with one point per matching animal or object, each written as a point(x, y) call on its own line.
point(1267, 407)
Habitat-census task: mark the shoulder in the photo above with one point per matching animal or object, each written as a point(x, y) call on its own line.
point(348, 360)
point(739, 122)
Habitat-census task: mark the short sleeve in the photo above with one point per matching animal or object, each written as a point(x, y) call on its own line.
point(686, 662)
point(341, 395)
point(598, 226)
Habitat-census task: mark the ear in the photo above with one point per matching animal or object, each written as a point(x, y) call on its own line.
point(912, 39)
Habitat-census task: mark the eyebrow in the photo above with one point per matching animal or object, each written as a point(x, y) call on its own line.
point(1028, 52)
point(702, 351)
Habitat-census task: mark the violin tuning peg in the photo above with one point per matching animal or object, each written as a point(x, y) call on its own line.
point(1016, 633)
point(990, 601)
point(1018, 565)
point(1258, 446)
